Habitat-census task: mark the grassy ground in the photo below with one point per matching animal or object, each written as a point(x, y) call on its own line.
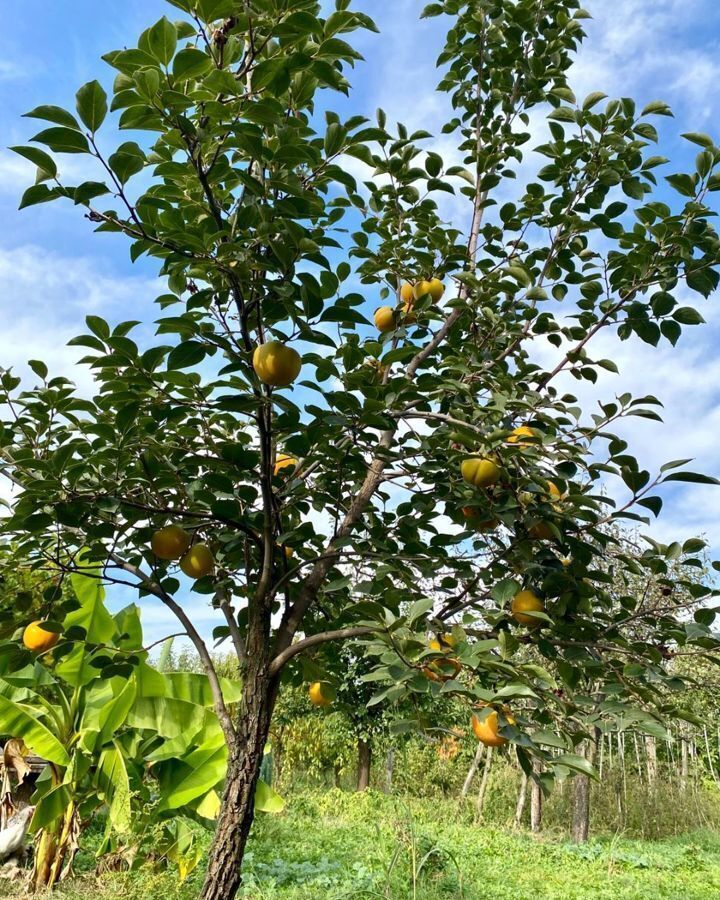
point(340, 845)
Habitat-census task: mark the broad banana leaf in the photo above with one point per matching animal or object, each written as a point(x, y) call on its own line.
point(129, 628)
point(209, 806)
point(207, 767)
point(75, 668)
point(267, 799)
point(21, 722)
point(114, 786)
point(92, 615)
point(50, 807)
point(115, 714)
point(187, 686)
point(16, 693)
point(98, 624)
point(34, 675)
point(167, 717)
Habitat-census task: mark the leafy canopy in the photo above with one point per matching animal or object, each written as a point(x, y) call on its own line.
point(238, 183)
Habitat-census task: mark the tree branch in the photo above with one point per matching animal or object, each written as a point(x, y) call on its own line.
point(154, 588)
point(342, 634)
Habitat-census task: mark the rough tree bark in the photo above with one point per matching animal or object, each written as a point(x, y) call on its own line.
point(364, 764)
point(483, 784)
point(237, 812)
point(472, 771)
point(684, 762)
point(580, 826)
point(536, 803)
point(389, 770)
point(651, 759)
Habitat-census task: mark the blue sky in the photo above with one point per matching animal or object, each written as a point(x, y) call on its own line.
point(54, 270)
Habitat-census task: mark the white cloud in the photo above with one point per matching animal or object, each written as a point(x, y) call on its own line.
point(10, 70)
point(46, 297)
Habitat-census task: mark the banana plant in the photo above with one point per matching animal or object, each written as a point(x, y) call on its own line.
point(115, 732)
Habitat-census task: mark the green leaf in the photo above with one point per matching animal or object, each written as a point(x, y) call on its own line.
point(515, 690)
point(702, 279)
point(16, 721)
point(50, 807)
point(54, 114)
point(39, 157)
point(687, 315)
point(63, 140)
point(420, 608)
point(38, 193)
point(168, 717)
point(703, 140)
point(267, 800)
point(127, 161)
point(578, 763)
point(114, 785)
point(593, 99)
point(208, 764)
point(549, 739)
point(162, 40)
point(115, 713)
point(191, 63)
point(504, 591)
point(187, 354)
point(92, 105)
point(692, 478)
point(39, 368)
point(92, 616)
point(657, 108)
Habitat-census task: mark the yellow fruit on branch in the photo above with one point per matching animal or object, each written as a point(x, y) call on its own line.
point(289, 552)
point(554, 491)
point(541, 531)
point(385, 319)
point(487, 730)
point(434, 287)
point(276, 364)
point(408, 314)
point(198, 561)
point(38, 639)
point(442, 669)
point(444, 642)
point(526, 602)
point(446, 668)
point(170, 542)
point(407, 294)
point(520, 435)
point(321, 693)
point(282, 461)
point(480, 472)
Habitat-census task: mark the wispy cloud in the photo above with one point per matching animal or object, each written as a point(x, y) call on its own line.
point(45, 298)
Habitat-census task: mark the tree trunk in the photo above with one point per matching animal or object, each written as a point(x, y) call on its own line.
point(637, 758)
point(684, 762)
point(521, 800)
point(389, 769)
point(483, 784)
point(237, 812)
point(474, 766)
point(580, 827)
point(651, 754)
point(536, 804)
point(709, 756)
point(364, 763)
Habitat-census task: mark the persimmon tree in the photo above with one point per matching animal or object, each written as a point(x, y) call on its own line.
point(413, 505)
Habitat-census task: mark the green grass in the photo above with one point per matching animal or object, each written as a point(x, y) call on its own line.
point(341, 845)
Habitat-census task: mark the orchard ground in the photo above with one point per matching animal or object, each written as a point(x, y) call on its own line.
point(334, 844)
